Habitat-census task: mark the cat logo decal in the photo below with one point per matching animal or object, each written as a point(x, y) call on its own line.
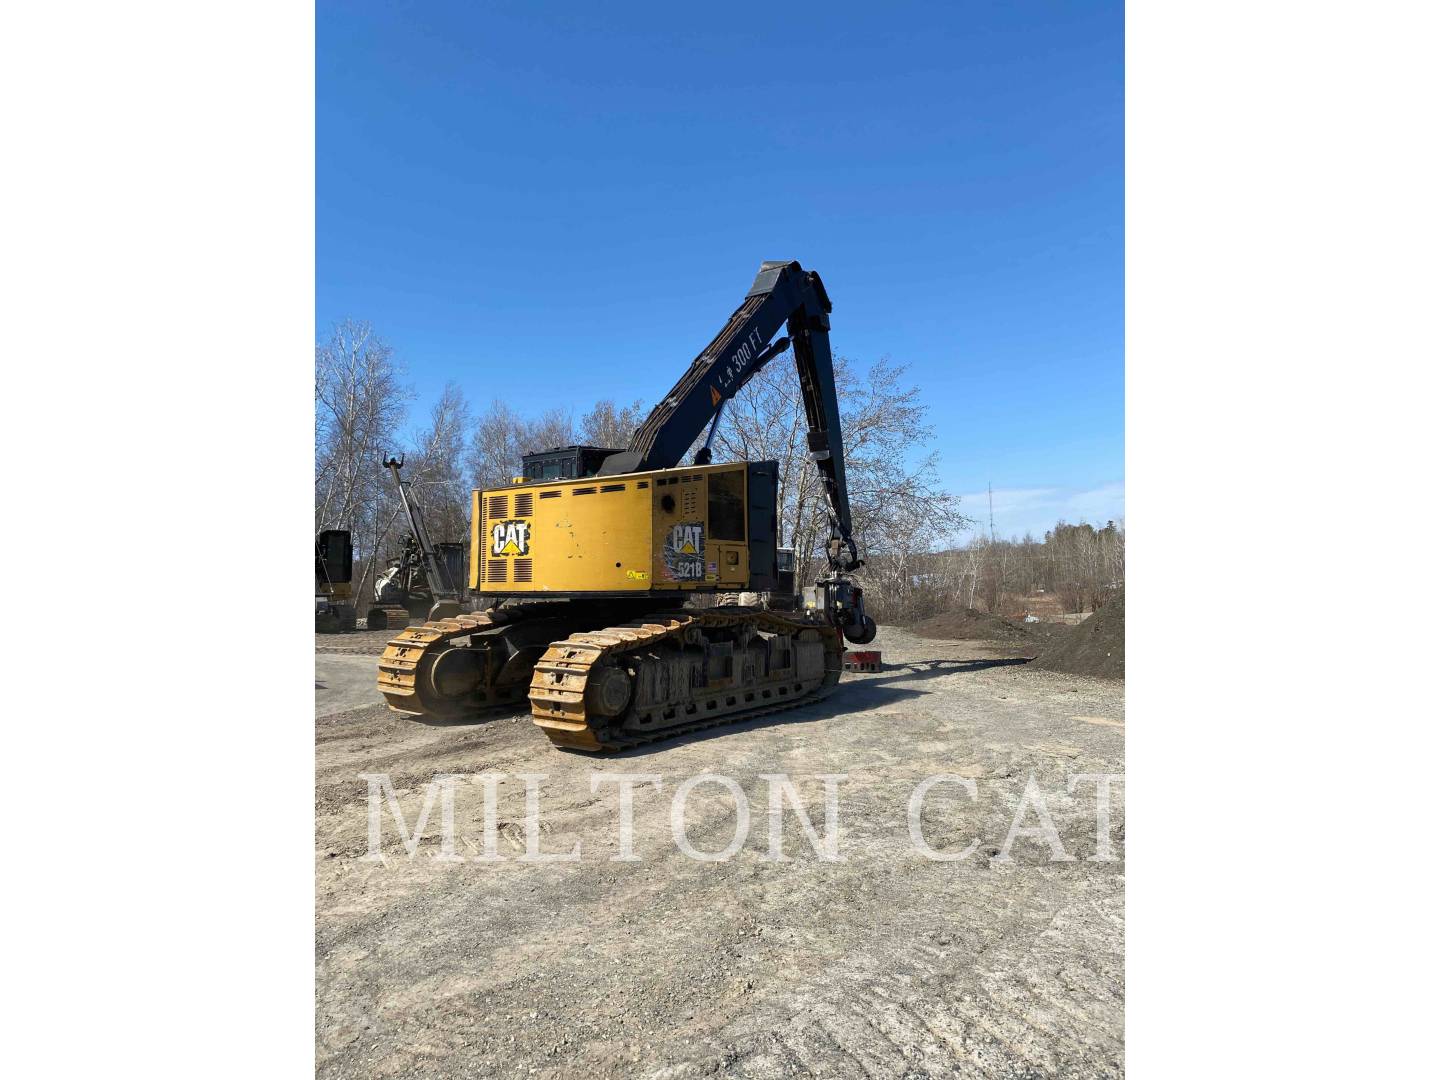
point(510, 538)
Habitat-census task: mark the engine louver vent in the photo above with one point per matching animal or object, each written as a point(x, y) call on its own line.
point(499, 506)
point(551, 494)
point(495, 570)
point(524, 504)
point(523, 569)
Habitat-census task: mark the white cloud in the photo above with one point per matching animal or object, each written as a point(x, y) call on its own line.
point(1036, 509)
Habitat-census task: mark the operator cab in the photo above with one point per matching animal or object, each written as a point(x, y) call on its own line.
point(564, 462)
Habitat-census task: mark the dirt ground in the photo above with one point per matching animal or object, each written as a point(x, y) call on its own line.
point(883, 964)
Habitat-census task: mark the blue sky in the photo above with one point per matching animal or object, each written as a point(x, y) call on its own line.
point(555, 203)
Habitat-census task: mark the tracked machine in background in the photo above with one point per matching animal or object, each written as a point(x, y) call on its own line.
point(334, 569)
point(592, 571)
point(426, 581)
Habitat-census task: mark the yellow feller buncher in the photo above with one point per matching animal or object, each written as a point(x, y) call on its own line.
point(591, 558)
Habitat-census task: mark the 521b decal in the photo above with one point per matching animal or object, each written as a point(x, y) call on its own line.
point(685, 552)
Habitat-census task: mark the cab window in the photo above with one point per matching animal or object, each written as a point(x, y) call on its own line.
point(727, 505)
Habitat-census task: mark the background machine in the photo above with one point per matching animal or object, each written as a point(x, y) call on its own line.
point(426, 581)
point(334, 568)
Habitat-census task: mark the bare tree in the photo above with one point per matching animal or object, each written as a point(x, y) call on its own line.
point(436, 467)
point(1115, 556)
point(970, 565)
point(1087, 564)
point(359, 402)
point(610, 425)
point(896, 504)
point(500, 437)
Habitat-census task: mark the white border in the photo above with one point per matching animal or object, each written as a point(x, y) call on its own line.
point(1281, 292)
point(158, 284)
point(158, 271)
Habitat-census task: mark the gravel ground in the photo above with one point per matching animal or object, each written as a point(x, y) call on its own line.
point(883, 964)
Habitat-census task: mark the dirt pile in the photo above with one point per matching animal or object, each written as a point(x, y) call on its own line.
point(1095, 647)
point(968, 624)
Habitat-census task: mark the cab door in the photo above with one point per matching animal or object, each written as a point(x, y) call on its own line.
point(725, 529)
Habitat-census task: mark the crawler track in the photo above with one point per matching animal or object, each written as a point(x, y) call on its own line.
point(451, 669)
point(502, 655)
point(387, 617)
point(567, 705)
point(407, 664)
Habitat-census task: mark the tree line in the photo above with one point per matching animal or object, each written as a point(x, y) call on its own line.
point(1081, 568)
point(904, 519)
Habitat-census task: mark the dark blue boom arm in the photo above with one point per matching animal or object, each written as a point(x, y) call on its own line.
point(783, 295)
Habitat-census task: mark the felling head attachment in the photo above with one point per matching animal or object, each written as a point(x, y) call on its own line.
point(844, 557)
point(843, 603)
